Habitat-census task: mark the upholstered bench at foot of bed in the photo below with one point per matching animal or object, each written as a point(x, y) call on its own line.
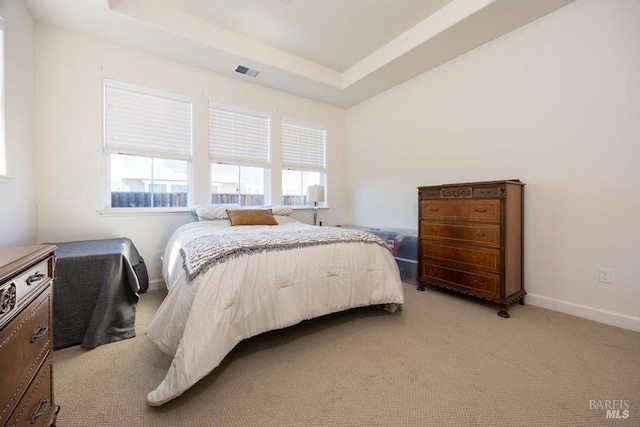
point(96, 291)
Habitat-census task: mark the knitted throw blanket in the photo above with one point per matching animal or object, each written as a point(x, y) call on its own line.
point(222, 244)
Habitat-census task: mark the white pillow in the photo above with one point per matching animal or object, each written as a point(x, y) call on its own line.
point(280, 210)
point(207, 212)
point(284, 219)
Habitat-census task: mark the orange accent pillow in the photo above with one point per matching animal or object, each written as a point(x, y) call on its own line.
point(251, 217)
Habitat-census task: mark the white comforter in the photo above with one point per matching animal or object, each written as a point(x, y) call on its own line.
point(201, 321)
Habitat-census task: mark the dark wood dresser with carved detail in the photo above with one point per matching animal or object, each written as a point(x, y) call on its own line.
point(26, 336)
point(471, 240)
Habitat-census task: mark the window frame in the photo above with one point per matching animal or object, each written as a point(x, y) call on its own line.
point(252, 159)
point(4, 162)
point(311, 126)
point(144, 90)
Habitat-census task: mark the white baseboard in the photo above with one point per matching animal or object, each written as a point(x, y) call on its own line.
point(154, 285)
point(595, 314)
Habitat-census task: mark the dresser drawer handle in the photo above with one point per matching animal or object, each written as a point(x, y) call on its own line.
point(39, 333)
point(480, 235)
point(40, 410)
point(475, 282)
point(37, 276)
point(481, 258)
point(434, 209)
point(485, 191)
point(433, 230)
point(480, 210)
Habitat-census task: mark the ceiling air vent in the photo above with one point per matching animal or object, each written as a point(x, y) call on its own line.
point(247, 71)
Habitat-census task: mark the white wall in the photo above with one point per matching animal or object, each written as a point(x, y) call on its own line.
point(555, 104)
point(18, 193)
point(69, 72)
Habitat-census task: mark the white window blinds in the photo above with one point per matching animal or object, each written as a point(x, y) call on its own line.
point(145, 122)
point(238, 138)
point(303, 146)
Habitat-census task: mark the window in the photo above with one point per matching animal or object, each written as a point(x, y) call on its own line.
point(3, 148)
point(303, 160)
point(239, 156)
point(147, 147)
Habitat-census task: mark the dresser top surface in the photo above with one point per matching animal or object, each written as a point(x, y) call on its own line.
point(15, 258)
point(474, 184)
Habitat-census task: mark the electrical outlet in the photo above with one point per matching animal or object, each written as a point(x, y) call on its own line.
point(606, 275)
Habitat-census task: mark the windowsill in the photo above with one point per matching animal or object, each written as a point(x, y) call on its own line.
point(137, 212)
point(4, 179)
point(159, 211)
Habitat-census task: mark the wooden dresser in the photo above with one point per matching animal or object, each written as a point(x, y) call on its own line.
point(26, 336)
point(471, 240)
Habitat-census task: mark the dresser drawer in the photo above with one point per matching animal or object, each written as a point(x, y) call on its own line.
point(486, 191)
point(461, 210)
point(24, 344)
point(487, 285)
point(36, 407)
point(15, 291)
point(482, 234)
point(472, 257)
point(430, 193)
point(461, 192)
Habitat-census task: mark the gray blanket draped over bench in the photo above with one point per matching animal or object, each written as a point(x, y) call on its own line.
point(96, 291)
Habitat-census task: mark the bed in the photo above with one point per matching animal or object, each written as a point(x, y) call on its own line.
point(229, 283)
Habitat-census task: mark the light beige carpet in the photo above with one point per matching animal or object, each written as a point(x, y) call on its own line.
point(446, 360)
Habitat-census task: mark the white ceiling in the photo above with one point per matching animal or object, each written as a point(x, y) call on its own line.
point(336, 51)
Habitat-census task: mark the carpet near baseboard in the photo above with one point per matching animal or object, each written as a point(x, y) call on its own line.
point(445, 360)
